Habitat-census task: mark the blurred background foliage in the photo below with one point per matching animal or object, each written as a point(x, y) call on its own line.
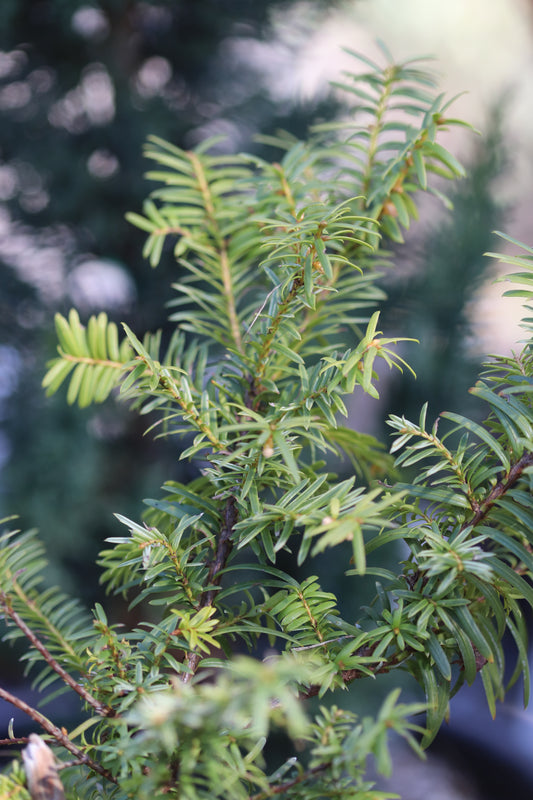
point(82, 84)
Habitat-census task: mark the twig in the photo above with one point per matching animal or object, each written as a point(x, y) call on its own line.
point(66, 764)
point(14, 740)
point(350, 675)
point(101, 708)
point(57, 733)
point(282, 787)
point(223, 550)
point(225, 264)
point(501, 488)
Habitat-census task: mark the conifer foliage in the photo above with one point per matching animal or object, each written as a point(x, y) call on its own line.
point(276, 322)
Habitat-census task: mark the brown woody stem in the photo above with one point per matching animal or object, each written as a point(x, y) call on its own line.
point(214, 575)
point(101, 708)
point(57, 733)
point(282, 787)
point(501, 488)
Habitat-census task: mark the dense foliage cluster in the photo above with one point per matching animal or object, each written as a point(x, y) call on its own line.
point(276, 323)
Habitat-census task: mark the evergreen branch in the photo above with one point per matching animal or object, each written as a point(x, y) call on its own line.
point(312, 619)
point(499, 490)
point(286, 190)
point(407, 429)
point(269, 337)
point(101, 708)
point(190, 412)
point(180, 571)
point(389, 77)
point(92, 356)
point(223, 252)
point(230, 297)
point(166, 230)
point(57, 733)
point(53, 630)
point(348, 676)
point(94, 362)
point(167, 386)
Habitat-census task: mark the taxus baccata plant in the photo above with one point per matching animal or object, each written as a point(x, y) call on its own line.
point(276, 322)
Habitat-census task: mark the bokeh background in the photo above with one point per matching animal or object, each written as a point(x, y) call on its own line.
point(82, 84)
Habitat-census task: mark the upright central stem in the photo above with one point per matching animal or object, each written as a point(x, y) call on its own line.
point(214, 575)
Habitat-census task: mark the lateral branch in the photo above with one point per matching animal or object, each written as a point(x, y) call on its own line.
point(500, 489)
point(57, 734)
point(101, 708)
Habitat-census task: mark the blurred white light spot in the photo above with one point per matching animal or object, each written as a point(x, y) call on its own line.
point(177, 94)
point(98, 95)
point(101, 284)
point(92, 102)
point(153, 76)
point(10, 365)
point(42, 267)
point(29, 315)
point(102, 164)
point(268, 60)
point(20, 179)
point(15, 95)
point(208, 110)
point(90, 22)
point(106, 426)
point(12, 62)
point(234, 135)
point(5, 223)
point(8, 182)
point(5, 449)
point(38, 259)
point(34, 200)
point(152, 18)
point(42, 79)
